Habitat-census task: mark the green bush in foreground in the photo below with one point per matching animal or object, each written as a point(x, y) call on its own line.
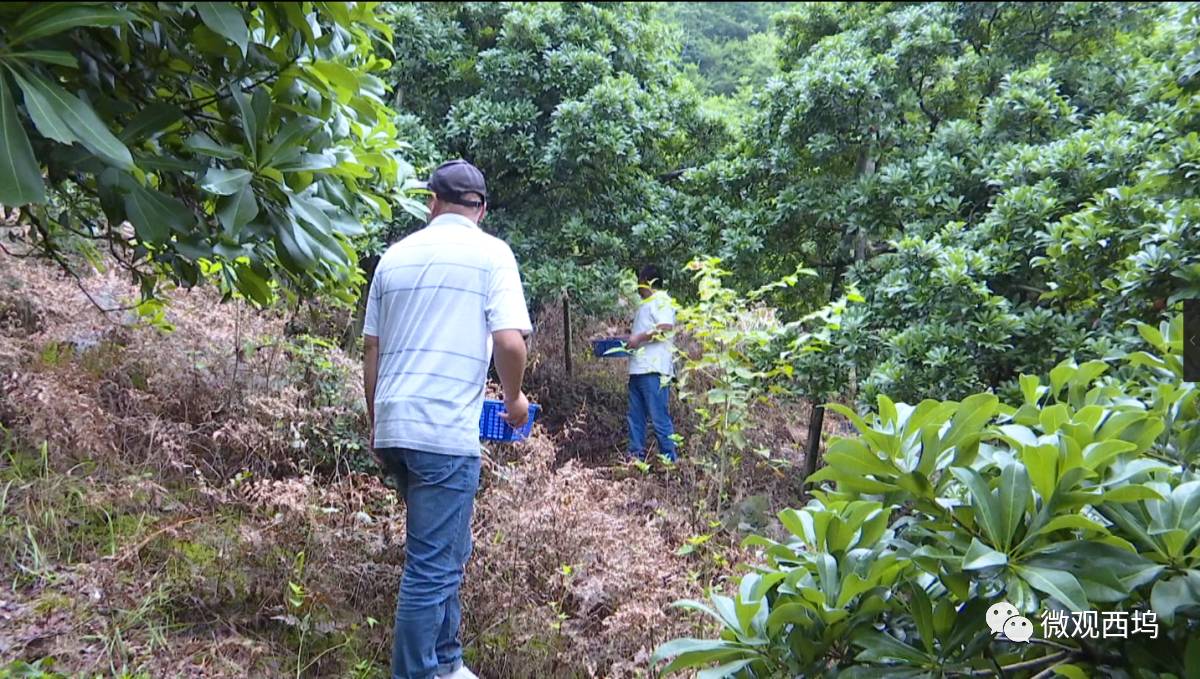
point(1085, 497)
point(246, 144)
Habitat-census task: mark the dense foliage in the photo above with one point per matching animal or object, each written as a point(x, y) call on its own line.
point(730, 43)
point(577, 115)
point(988, 210)
point(1010, 187)
point(1083, 497)
point(1005, 183)
point(243, 142)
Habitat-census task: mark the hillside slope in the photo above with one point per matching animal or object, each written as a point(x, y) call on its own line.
point(181, 504)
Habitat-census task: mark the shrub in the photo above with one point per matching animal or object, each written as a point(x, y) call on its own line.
point(1083, 497)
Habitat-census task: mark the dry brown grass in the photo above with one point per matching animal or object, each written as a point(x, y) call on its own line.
point(162, 530)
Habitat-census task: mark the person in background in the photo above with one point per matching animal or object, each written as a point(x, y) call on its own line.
point(651, 367)
point(440, 301)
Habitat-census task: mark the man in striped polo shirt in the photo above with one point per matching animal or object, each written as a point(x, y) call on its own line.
point(441, 300)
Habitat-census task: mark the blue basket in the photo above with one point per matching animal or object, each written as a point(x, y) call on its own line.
point(602, 347)
point(492, 428)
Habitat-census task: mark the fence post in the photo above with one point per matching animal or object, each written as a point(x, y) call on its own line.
point(816, 421)
point(566, 302)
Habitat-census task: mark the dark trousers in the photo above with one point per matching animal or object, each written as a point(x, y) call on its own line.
point(439, 491)
point(648, 397)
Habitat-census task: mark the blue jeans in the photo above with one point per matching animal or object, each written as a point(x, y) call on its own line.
point(439, 491)
point(648, 396)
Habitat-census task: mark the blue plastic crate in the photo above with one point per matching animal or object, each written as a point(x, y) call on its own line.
point(492, 428)
point(603, 347)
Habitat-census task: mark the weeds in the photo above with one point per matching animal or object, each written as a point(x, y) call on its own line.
point(160, 523)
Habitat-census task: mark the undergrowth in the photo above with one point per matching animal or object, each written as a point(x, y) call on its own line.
point(199, 503)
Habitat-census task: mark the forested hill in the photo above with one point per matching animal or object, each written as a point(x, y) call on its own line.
point(929, 263)
point(732, 44)
point(991, 178)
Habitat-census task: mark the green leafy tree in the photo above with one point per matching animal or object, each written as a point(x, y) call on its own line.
point(730, 43)
point(1082, 497)
point(579, 118)
point(245, 143)
point(1006, 184)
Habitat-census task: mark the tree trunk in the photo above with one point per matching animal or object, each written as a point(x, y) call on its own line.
point(865, 167)
point(817, 419)
point(566, 302)
point(815, 422)
point(349, 339)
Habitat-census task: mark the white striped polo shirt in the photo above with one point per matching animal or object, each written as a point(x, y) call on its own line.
point(435, 300)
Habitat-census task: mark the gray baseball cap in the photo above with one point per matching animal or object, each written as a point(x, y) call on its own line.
point(453, 179)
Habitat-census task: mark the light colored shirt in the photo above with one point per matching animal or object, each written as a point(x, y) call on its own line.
point(435, 300)
point(654, 357)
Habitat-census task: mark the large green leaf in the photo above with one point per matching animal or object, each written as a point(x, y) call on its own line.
point(1152, 336)
point(249, 119)
point(792, 613)
point(729, 669)
point(726, 608)
point(56, 57)
point(680, 646)
point(310, 212)
point(295, 16)
point(327, 248)
point(252, 285)
point(226, 20)
point(1061, 585)
point(1014, 498)
point(828, 578)
point(153, 213)
point(1171, 594)
point(345, 223)
point(57, 17)
point(981, 556)
point(1116, 423)
point(150, 121)
point(341, 79)
point(974, 412)
point(853, 586)
point(1070, 671)
point(751, 611)
point(1031, 388)
point(1132, 524)
point(1041, 463)
point(77, 117)
point(1053, 417)
point(225, 182)
point(853, 456)
point(1069, 522)
point(922, 614)
point(20, 175)
point(297, 248)
point(1130, 493)
point(880, 647)
point(45, 119)
point(237, 210)
point(260, 105)
point(987, 508)
point(1099, 454)
point(292, 135)
point(1018, 435)
point(692, 653)
point(1107, 572)
point(205, 145)
point(308, 162)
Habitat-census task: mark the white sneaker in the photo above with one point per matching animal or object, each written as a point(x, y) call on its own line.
point(460, 673)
